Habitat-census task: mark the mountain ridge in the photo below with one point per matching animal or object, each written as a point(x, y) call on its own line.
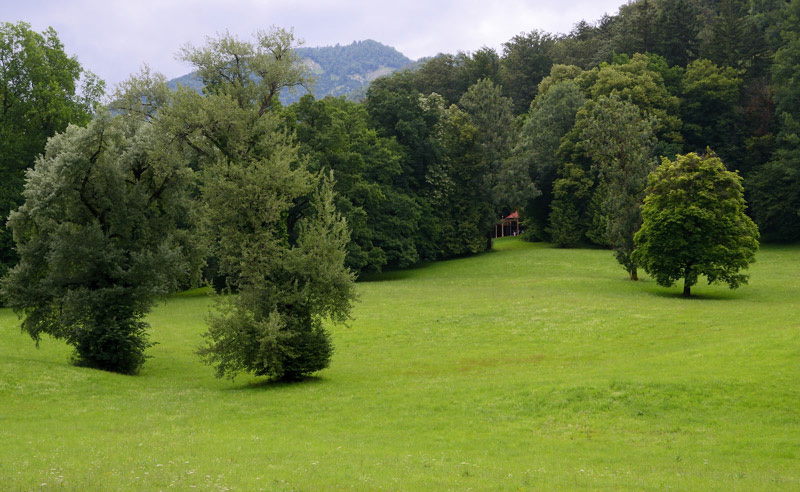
point(339, 70)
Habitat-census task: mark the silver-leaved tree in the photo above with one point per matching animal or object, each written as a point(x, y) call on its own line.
point(103, 232)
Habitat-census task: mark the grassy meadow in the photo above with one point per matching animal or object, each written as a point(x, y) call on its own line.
point(528, 368)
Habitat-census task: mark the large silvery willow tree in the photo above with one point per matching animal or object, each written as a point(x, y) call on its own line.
point(269, 222)
point(99, 240)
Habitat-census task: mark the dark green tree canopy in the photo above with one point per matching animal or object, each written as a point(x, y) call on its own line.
point(333, 134)
point(619, 139)
point(527, 59)
point(551, 116)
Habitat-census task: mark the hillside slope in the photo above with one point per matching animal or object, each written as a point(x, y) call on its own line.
point(527, 368)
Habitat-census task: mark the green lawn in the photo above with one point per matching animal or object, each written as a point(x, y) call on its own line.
point(528, 368)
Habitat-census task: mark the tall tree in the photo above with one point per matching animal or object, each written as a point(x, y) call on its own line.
point(634, 80)
point(459, 195)
point(396, 112)
point(443, 74)
point(735, 39)
point(709, 102)
point(40, 94)
point(271, 224)
point(335, 136)
point(585, 46)
point(527, 59)
point(776, 186)
point(507, 181)
point(483, 64)
point(679, 28)
point(637, 31)
point(620, 141)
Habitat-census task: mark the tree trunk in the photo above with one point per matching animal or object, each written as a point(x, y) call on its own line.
point(687, 287)
point(634, 274)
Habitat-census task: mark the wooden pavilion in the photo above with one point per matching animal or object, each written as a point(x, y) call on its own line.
point(508, 226)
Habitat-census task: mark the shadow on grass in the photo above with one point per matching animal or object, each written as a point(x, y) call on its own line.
point(274, 384)
point(389, 275)
point(707, 296)
point(196, 292)
point(499, 245)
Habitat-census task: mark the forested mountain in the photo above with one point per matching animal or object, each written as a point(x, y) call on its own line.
point(335, 70)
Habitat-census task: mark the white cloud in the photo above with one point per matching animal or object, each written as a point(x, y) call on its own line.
point(113, 38)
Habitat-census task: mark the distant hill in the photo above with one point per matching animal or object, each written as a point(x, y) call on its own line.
point(336, 70)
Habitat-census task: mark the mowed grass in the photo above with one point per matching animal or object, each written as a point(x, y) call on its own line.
point(528, 368)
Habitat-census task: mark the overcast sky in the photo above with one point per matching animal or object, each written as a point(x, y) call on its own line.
point(113, 38)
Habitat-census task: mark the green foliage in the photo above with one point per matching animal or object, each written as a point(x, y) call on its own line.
point(444, 74)
point(396, 112)
point(776, 186)
point(637, 82)
point(273, 328)
point(620, 141)
point(460, 192)
point(735, 39)
point(709, 101)
point(551, 116)
point(484, 64)
point(638, 29)
point(455, 163)
point(597, 215)
point(507, 180)
point(678, 37)
point(252, 74)
point(695, 224)
point(586, 46)
point(558, 74)
point(271, 224)
point(526, 61)
point(572, 193)
point(40, 94)
point(334, 135)
point(98, 240)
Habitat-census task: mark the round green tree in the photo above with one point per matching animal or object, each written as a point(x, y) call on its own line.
point(694, 224)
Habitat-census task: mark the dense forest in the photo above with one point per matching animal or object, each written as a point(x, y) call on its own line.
point(469, 137)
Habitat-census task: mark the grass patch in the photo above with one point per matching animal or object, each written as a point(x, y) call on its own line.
point(528, 368)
